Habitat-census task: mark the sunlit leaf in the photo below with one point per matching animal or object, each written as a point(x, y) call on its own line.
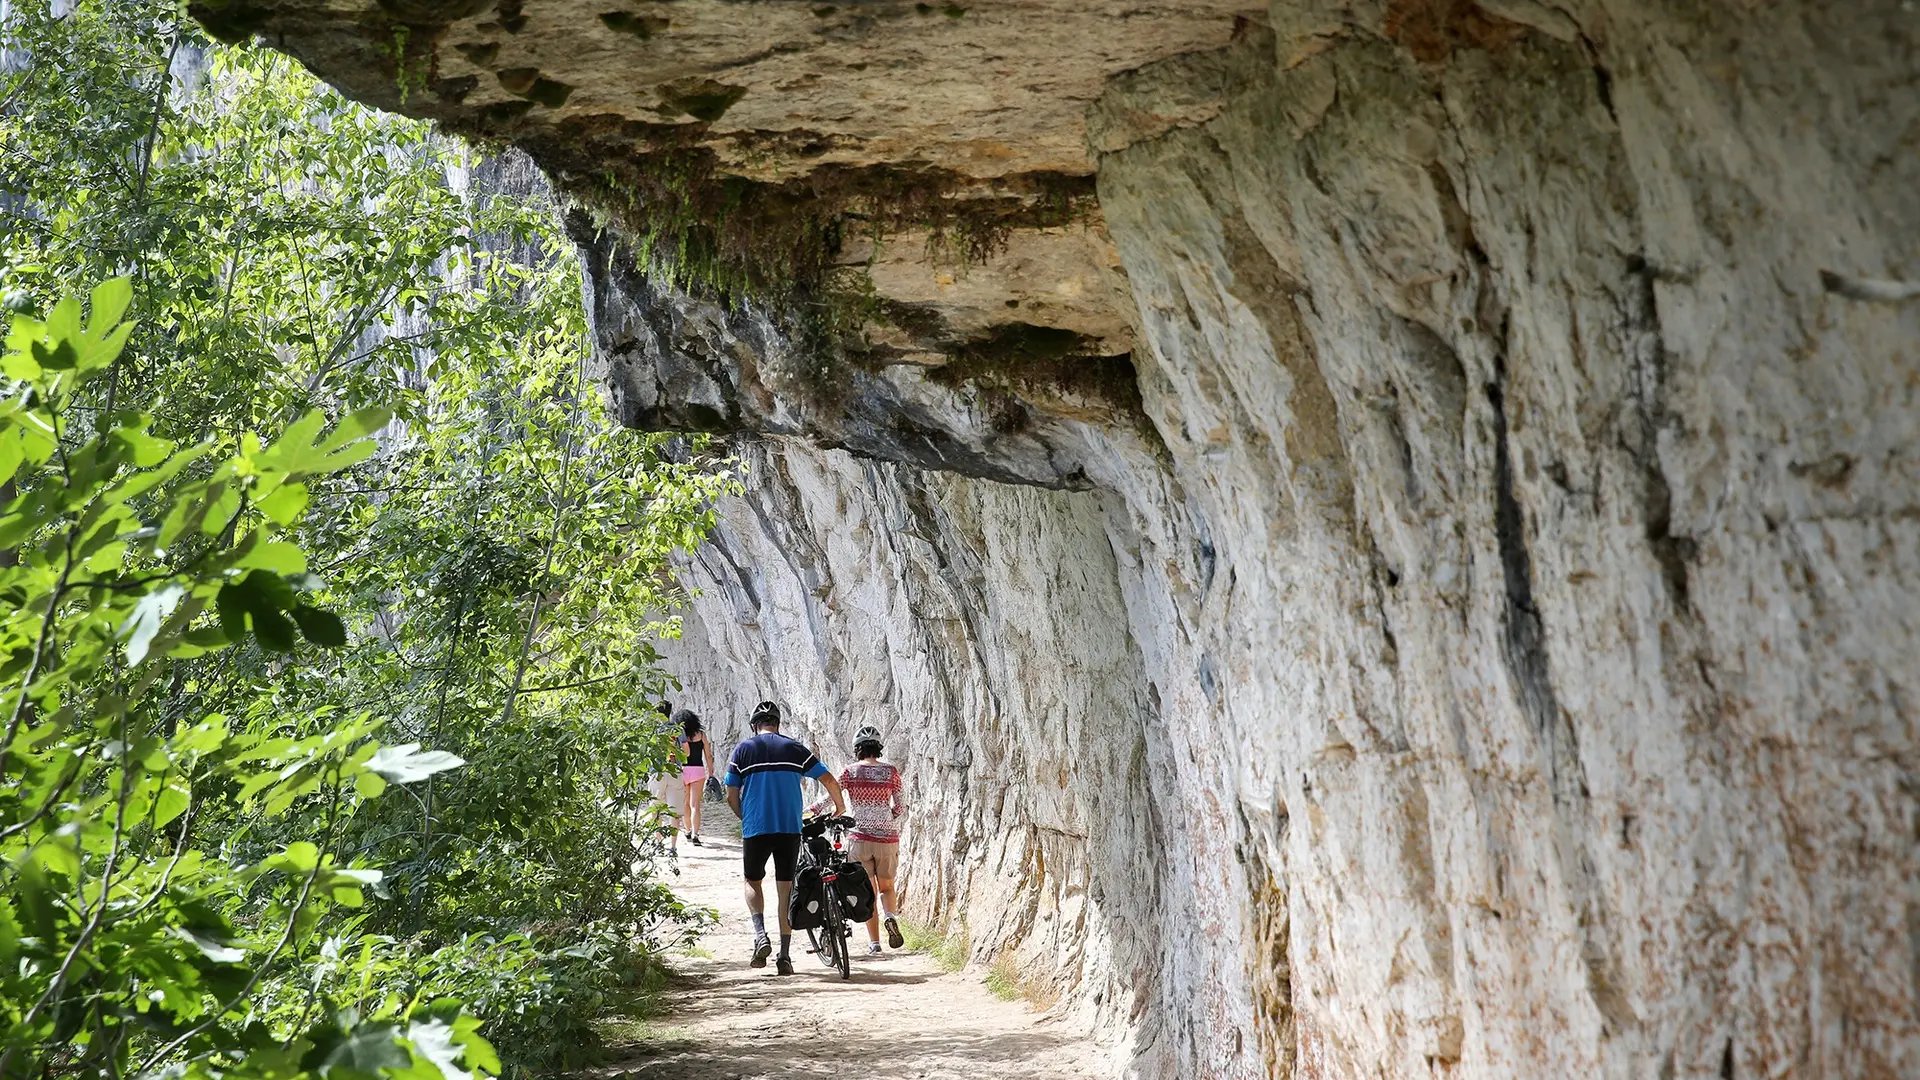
point(406, 763)
point(356, 426)
point(169, 803)
point(277, 556)
point(284, 504)
point(148, 614)
point(297, 858)
point(218, 952)
point(434, 1041)
point(109, 302)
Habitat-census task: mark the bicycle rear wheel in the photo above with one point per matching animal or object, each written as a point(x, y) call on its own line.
point(829, 946)
point(836, 932)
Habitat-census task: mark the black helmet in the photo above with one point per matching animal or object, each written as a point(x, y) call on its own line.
point(765, 713)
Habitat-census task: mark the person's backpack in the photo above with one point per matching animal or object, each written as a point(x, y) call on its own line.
point(807, 909)
point(856, 892)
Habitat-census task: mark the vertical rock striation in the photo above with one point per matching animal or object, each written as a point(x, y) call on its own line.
point(1471, 632)
point(1495, 344)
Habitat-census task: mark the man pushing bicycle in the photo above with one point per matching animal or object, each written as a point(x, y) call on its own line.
point(763, 788)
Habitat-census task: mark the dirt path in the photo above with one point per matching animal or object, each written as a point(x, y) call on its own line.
point(900, 1015)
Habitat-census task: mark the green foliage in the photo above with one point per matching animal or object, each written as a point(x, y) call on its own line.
point(124, 944)
point(470, 560)
point(535, 993)
point(785, 242)
point(1003, 979)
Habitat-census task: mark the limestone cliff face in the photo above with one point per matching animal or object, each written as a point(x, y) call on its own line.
point(1443, 603)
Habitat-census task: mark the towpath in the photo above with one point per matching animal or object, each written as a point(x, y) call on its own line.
point(901, 1015)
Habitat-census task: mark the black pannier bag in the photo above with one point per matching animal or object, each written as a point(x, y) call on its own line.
point(856, 892)
point(807, 910)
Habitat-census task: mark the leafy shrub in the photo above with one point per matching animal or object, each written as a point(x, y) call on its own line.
point(538, 999)
point(126, 944)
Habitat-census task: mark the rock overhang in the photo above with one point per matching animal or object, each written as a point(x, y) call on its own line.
point(924, 167)
point(777, 89)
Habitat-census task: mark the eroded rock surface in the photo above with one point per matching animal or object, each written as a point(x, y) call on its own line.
point(1478, 640)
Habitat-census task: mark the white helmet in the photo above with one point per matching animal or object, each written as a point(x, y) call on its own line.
point(867, 734)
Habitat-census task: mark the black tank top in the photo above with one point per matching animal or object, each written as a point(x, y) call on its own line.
point(693, 751)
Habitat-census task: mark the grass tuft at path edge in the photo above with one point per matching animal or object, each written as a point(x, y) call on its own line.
point(1007, 982)
point(947, 950)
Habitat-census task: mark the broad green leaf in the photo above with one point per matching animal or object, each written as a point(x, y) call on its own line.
point(19, 363)
point(109, 302)
point(169, 803)
point(10, 933)
point(37, 441)
point(208, 734)
point(63, 322)
point(261, 598)
point(298, 858)
point(277, 556)
point(294, 448)
point(480, 1054)
point(359, 425)
point(320, 627)
point(284, 504)
point(269, 590)
point(140, 483)
point(364, 1054)
point(10, 453)
point(94, 355)
point(144, 450)
point(369, 785)
point(108, 560)
point(220, 509)
point(348, 455)
point(56, 354)
point(60, 853)
point(231, 605)
point(272, 630)
point(35, 895)
point(254, 785)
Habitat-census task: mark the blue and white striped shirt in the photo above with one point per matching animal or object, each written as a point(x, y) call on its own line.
point(768, 768)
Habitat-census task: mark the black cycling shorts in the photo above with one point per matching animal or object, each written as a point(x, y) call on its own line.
point(784, 847)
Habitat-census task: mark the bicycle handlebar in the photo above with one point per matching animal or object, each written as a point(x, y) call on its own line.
point(816, 826)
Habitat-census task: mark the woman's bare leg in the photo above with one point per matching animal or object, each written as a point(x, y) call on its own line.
point(693, 806)
point(884, 886)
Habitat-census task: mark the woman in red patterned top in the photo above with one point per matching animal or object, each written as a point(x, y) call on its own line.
point(877, 804)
